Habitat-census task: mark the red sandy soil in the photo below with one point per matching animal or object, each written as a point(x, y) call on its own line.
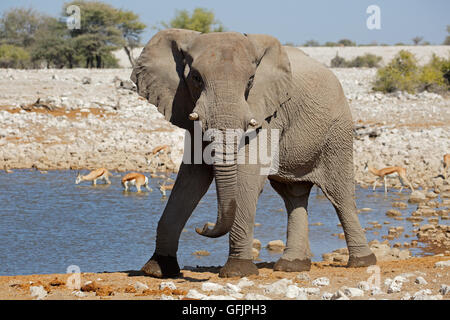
point(120, 285)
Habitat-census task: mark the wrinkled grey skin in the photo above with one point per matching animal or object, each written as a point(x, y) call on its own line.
point(183, 71)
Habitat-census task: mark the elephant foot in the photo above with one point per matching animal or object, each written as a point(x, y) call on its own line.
point(238, 268)
point(358, 262)
point(296, 265)
point(162, 267)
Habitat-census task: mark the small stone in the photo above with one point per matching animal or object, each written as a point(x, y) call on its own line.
point(420, 280)
point(140, 286)
point(244, 282)
point(86, 80)
point(303, 277)
point(211, 286)
point(255, 296)
point(292, 291)
point(165, 297)
point(311, 291)
point(339, 295)
point(256, 244)
point(201, 253)
point(417, 197)
point(393, 213)
point(445, 289)
point(276, 245)
point(395, 286)
point(231, 288)
point(278, 287)
point(79, 294)
point(353, 292)
point(38, 292)
point(168, 284)
point(194, 294)
point(321, 282)
point(327, 296)
point(374, 291)
point(363, 285)
point(442, 264)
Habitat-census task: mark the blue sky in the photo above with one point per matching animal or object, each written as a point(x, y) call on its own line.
point(294, 20)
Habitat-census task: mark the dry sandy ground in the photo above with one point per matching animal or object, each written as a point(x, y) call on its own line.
point(121, 285)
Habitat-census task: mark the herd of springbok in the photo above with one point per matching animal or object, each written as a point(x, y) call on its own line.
point(130, 179)
point(139, 180)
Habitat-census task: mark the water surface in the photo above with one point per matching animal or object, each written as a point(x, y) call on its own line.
point(48, 223)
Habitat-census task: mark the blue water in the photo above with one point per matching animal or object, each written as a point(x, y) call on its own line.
point(48, 223)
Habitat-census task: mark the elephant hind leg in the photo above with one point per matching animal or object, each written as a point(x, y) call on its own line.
point(297, 254)
point(340, 193)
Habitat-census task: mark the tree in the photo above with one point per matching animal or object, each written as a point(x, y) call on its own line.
point(311, 43)
point(417, 40)
point(131, 29)
point(201, 20)
point(99, 34)
point(55, 46)
point(18, 26)
point(346, 43)
point(13, 56)
point(447, 39)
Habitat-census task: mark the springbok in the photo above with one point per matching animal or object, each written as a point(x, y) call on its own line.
point(7, 170)
point(446, 164)
point(165, 187)
point(399, 172)
point(135, 179)
point(95, 175)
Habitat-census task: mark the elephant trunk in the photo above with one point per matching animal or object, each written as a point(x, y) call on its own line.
point(225, 175)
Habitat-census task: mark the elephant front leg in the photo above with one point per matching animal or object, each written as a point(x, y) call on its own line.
point(240, 260)
point(297, 254)
point(190, 186)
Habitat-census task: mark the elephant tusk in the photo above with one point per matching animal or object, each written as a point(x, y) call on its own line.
point(193, 116)
point(253, 122)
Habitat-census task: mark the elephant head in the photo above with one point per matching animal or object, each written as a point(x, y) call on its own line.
point(226, 80)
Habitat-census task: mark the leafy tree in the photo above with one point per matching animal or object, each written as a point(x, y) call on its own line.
point(131, 29)
point(346, 43)
point(18, 26)
point(201, 20)
point(311, 43)
point(99, 34)
point(55, 46)
point(447, 39)
point(13, 56)
point(417, 40)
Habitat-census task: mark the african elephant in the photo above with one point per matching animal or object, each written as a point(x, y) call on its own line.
point(240, 81)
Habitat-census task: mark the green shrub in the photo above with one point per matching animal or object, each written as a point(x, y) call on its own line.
point(13, 57)
point(338, 62)
point(432, 75)
point(366, 61)
point(402, 73)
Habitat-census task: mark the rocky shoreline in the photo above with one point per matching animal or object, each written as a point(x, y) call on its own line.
point(83, 119)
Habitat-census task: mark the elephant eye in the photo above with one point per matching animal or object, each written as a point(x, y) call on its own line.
point(198, 81)
point(249, 86)
point(250, 82)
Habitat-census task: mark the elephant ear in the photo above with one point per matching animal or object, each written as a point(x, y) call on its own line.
point(273, 79)
point(158, 75)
